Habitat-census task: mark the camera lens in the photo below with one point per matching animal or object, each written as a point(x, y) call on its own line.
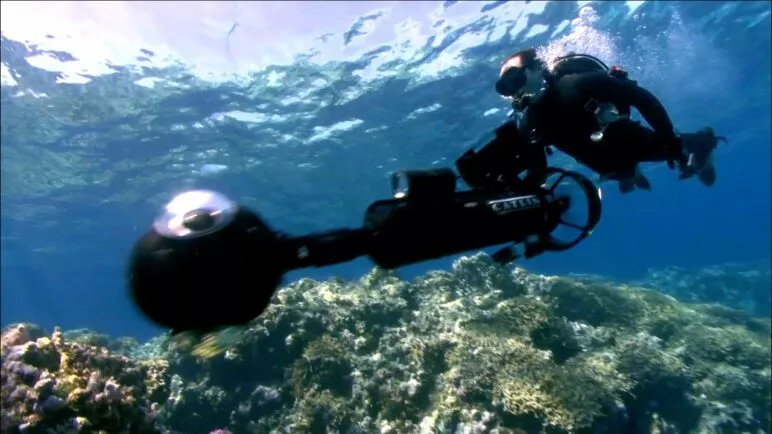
point(194, 214)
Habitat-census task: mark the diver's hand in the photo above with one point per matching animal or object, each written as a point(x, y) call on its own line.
point(675, 151)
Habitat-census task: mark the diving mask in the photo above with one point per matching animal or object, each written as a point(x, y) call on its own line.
point(520, 83)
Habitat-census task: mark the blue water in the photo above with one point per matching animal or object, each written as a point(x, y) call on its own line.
point(86, 167)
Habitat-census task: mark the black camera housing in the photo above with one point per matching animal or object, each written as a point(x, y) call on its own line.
point(224, 276)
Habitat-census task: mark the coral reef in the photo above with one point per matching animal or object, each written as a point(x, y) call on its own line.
point(478, 349)
point(743, 286)
point(51, 385)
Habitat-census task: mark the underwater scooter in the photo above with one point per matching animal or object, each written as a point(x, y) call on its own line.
point(208, 263)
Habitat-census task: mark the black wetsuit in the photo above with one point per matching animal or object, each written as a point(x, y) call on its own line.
point(562, 120)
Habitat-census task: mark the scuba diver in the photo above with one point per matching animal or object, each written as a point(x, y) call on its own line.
point(582, 107)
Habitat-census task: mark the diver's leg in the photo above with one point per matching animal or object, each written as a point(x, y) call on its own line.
point(630, 141)
point(697, 148)
point(617, 156)
point(603, 160)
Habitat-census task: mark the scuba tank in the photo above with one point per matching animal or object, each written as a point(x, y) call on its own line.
point(575, 63)
point(605, 113)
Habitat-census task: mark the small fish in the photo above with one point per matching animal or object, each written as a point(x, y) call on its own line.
point(207, 345)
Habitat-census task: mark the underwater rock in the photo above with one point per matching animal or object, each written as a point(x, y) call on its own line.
point(478, 349)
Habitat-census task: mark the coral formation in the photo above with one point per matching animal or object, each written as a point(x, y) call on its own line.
point(51, 385)
point(478, 349)
point(743, 286)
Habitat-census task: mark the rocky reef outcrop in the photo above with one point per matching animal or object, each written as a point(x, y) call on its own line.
point(745, 286)
point(478, 349)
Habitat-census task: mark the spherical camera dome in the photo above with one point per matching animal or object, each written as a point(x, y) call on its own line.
point(194, 214)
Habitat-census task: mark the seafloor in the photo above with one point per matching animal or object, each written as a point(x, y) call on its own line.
point(479, 349)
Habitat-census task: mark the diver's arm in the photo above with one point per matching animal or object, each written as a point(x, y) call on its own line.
point(620, 92)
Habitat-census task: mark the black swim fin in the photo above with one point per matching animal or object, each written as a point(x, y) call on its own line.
point(629, 180)
point(636, 180)
point(700, 147)
point(641, 181)
point(707, 176)
point(686, 173)
point(626, 185)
